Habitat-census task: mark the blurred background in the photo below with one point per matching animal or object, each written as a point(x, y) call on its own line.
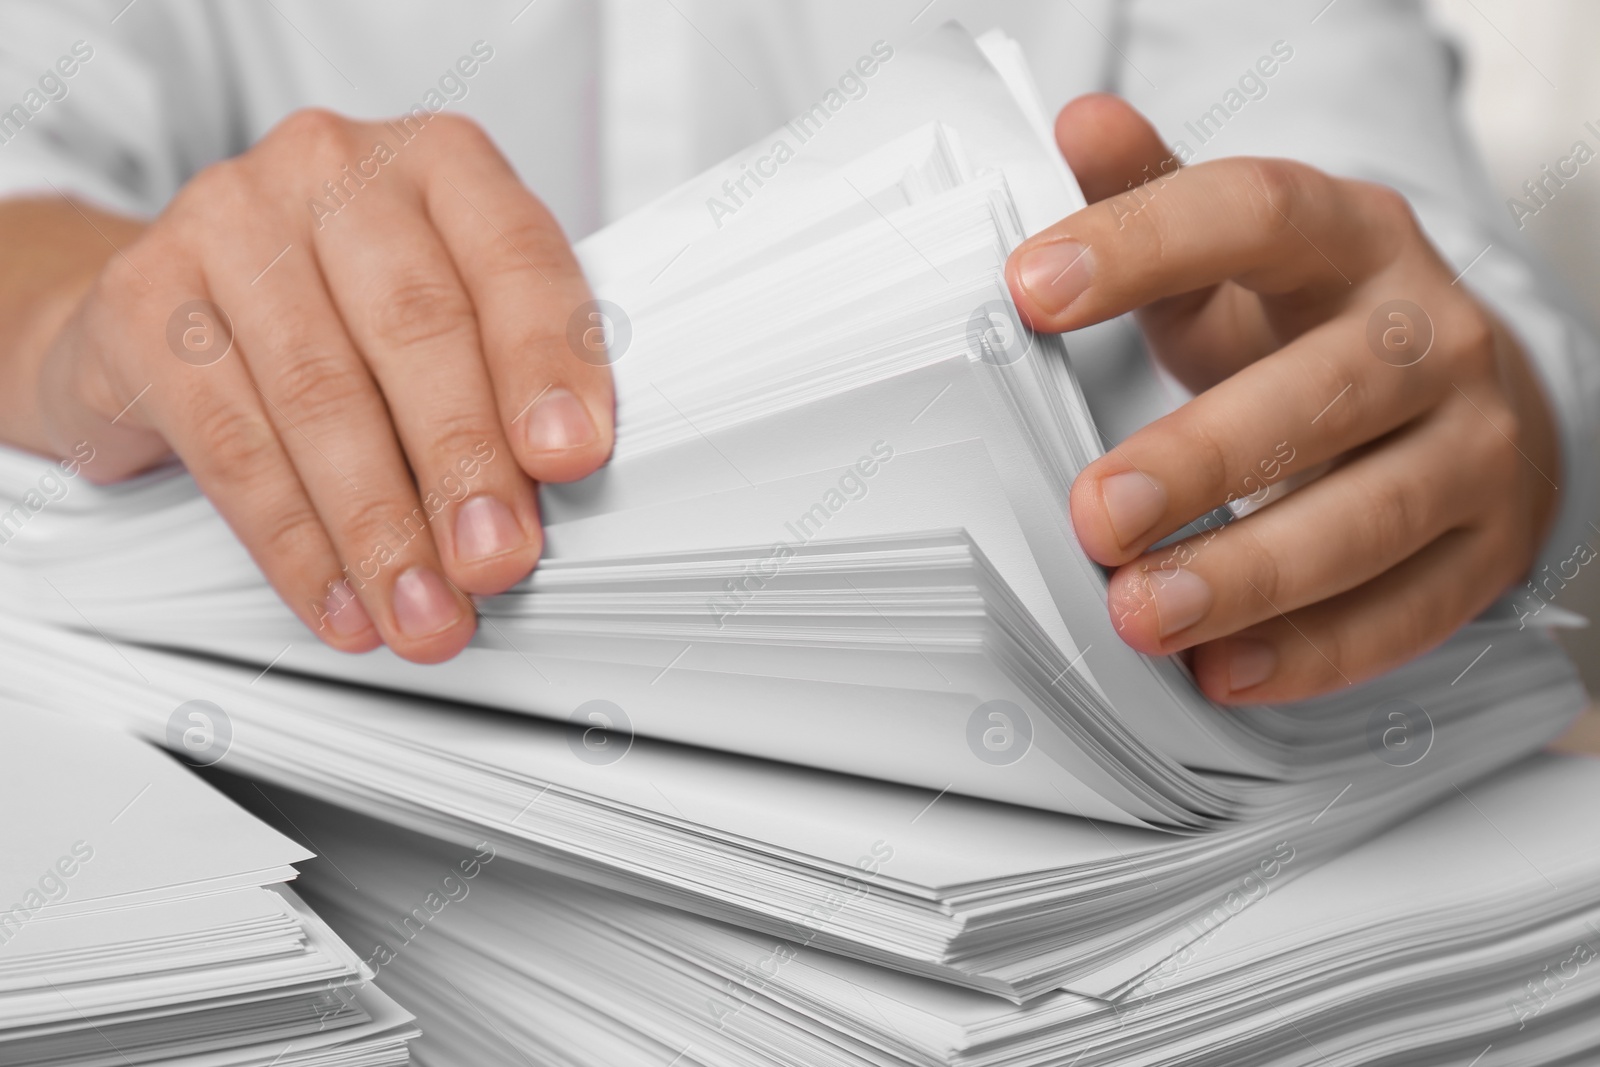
point(1531, 85)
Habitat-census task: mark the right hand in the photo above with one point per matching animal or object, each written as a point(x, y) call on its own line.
point(399, 376)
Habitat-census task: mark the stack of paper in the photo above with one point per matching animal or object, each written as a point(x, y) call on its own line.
point(1469, 935)
point(834, 531)
point(817, 658)
point(146, 920)
point(992, 896)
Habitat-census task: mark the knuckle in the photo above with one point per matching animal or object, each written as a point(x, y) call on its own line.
point(1480, 460)
point(462, 130)
point(121, 288)
point(1268, 571)
point(1208, 463)
point(1343, 421)
point(1391, 209)
point(1149, 230)
point(363, 520)
point(1262, 567)
point(1473, 339)
point(222, 188)
point(1391, 221)
point(1495, 428)
point(1310, 661)
point(1390, 519)
point(1329, 657)
point(317, 386)
point(313, 128)
point(290, 534)
point(1505, 469)
point(240, 445)
point(534, 249)
point(1279, 183)
point(539, 346)
point(1510, 426)
point(453, 434)
point(418, 311)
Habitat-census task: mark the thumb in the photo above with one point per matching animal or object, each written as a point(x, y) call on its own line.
point(1110, 147)
point(1202, 336)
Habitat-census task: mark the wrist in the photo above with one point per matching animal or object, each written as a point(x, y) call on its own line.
point(52, 253)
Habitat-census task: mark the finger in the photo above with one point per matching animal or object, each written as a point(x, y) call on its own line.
point(199, 400)
point(1273, 226)
point(1350, 526)
point(410, 316)
point(1110, 147)
point(1121, 162)
point(336, 430)
point(230, 446)
point(1335, 643)
point(1320, 396)
point(556, 404)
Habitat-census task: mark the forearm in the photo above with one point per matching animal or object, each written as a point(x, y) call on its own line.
point(50, 252)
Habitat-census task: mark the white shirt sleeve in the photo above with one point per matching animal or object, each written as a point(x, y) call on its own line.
point(1367, 91)
point(1370, 92)
point(117, 113)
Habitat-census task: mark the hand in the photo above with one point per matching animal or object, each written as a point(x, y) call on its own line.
point(398, 378)
point(1321, 332)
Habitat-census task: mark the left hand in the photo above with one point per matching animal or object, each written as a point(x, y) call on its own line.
point(1274, 292)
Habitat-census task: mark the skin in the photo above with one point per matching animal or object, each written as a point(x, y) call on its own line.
point(404, 358)
point(426, 322)
point(1433, 469)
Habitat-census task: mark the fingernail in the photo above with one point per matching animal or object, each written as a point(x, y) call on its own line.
point(343, 613)
point(484, 528)
point(559, 422)
point(1055, 273)
point(1134, 502)
point(1250, 662)
point(423, 604)
point(1182, 598)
